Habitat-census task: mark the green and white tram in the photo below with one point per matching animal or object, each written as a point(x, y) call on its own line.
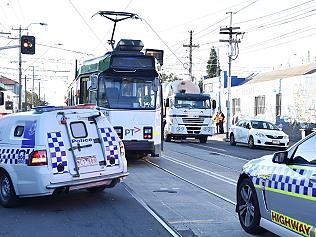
point(126, 86)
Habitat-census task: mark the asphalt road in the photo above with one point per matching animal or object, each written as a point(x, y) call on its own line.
point(193, 187)
point(113, 212)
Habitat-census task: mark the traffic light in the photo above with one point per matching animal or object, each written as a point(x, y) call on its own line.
point(27, 44)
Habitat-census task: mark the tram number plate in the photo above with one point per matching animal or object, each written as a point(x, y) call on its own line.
point(86, 161)
point(275, 142)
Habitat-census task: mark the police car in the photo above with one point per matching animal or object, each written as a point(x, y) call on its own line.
point(278, 192)
point(58, 149)
point(256, 132)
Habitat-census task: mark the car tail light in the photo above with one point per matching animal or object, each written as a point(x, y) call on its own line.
point(37, 158)
point(148, 132)
point(119, 131)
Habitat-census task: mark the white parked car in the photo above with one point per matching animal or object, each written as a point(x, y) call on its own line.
point(258, 133)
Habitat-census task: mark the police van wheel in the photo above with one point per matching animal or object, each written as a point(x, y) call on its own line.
point(96, 189)
point(248, 207)
point(8, 197)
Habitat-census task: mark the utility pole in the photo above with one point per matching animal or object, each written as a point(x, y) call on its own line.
point(219, 81)
point(33, 88)
point(191, 46)
point(25, 95)
point(233, 42)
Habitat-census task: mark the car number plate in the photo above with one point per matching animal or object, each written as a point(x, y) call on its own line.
point(275, 142)
point(87, 161)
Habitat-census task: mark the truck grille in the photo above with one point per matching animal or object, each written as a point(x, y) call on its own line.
point(193, 125)
point(193, 120)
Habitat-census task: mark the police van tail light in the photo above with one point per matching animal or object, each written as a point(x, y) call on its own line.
point(122, 148)
point(37, 158)
point(148, 132)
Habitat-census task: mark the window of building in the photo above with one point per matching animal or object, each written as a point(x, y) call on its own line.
point(235, 106)
point(278, 104)
point(259, 105)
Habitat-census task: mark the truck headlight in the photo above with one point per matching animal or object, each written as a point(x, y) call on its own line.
point(180, 129)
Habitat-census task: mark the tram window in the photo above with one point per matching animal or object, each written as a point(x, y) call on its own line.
point(84, 90)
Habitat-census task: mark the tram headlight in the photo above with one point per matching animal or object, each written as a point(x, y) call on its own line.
point(148, 132)
point(180, 129)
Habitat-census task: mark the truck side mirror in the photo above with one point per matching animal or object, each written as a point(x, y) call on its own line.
point(167, 104)
point(213, 104)
point(156, 84)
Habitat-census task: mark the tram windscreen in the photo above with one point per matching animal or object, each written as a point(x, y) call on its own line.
point(126, 93)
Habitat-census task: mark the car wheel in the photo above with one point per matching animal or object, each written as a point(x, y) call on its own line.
point(8, 197)
point(248, 207)
point(251, 143)
point(96, 189)
point(232, 139)
point(203, 139)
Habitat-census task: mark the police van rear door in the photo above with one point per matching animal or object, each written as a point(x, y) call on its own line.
point(88, 142)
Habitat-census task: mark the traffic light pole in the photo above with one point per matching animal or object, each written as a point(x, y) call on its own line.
point(20, 72)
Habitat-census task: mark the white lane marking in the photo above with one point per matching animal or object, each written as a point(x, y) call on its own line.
point(201, 170)
point(222, 154)
point(194, 184)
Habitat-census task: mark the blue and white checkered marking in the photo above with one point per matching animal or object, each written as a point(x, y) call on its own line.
point(285, 179)
point(111, 145)
point(14, 156)
point(57, 151)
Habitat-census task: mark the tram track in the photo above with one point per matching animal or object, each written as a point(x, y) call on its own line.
point(195, 168)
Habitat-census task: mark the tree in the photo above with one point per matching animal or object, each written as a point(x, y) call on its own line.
point(37, 101)
point(211, 67)
point(171, 77)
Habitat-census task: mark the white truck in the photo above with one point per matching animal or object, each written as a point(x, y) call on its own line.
point(187, 112)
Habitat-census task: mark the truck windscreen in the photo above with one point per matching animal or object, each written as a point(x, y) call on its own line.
point(192, 103)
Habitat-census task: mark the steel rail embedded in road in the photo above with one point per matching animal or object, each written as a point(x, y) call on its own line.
point(218, 153)
point(201, 170)
point(190, 182)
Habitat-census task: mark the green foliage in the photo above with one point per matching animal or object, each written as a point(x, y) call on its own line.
point(211, 67)
point(168, 78)
point(37, 100)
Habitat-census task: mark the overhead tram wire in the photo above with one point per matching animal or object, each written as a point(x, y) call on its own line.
point(280, 37)
point(74, 7)
point(163, 41)
point(282, 22)
point(275, 13)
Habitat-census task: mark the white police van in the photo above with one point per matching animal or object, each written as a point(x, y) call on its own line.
point(58, 149)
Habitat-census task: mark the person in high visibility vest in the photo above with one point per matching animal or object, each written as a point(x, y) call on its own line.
point(216, 120)
point(221, 119)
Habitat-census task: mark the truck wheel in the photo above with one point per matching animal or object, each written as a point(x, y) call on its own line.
point(167, 137)
point(8, 197)
point(96, 189)
point(203, 139)
point(248, 207)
